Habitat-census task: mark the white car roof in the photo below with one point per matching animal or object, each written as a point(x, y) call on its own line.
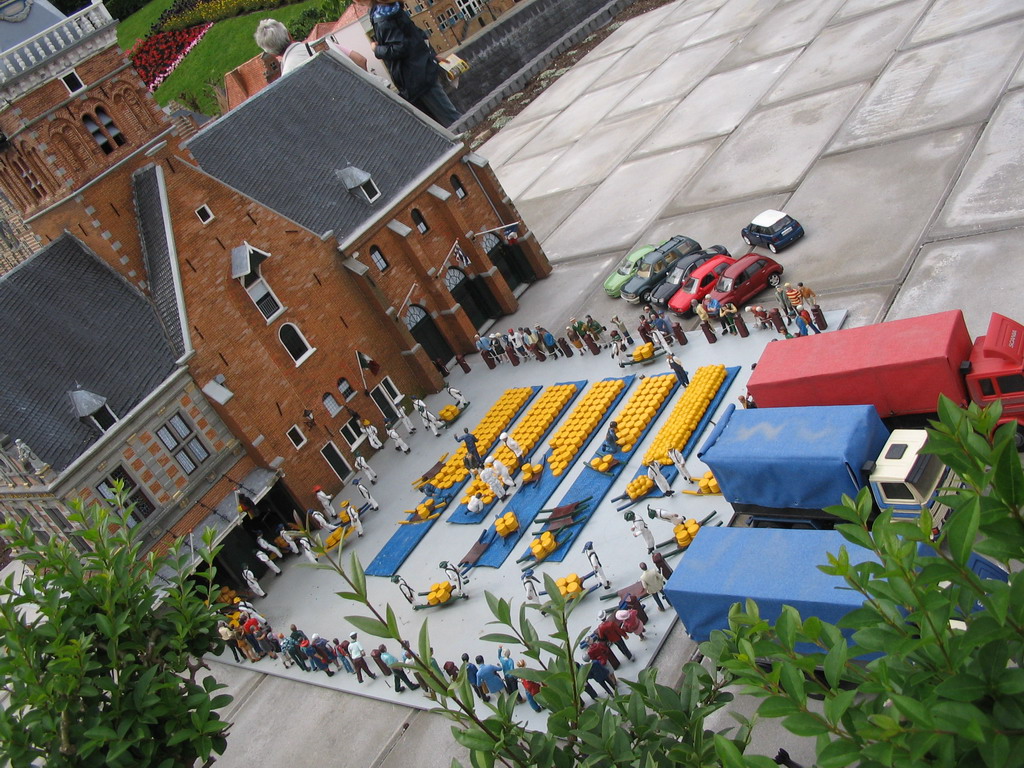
point(767, 218)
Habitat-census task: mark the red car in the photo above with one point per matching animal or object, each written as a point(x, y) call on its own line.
point(698, 284)
point(750, 275)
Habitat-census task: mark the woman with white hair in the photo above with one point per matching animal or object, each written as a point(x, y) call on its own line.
point(273, 37)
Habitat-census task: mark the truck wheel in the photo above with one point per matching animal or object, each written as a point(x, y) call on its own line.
point(774, 279)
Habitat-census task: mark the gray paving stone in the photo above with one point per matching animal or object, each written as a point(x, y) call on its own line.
point(770, 151)
point(567, 88)
point(793, 26)
point(690, 8)
point(990, 191)
point(652, 51)
point(733, 16)
point(544, 214)
point(516, 175)
point(944, 84)
point(510, 139)
point(856, 7)
point(948, 17)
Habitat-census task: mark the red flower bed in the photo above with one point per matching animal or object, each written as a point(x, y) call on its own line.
point(157, 56)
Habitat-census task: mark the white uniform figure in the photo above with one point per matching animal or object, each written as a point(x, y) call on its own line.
point(659, 338)
point(291, 544)
point(322, 521)
point(639, 528)
point(325, 501)
point(403, 417)
point(512, 444)
point(475, 504)
point(372, 436)
point(460, 399)
point(654, 472)
point(595, 563)
point(530, 583)
point(307, 550)
point(264, 544)
point(664, 514)
point(353, 517)
point(619, 353)
point(676, 456)
point(506, 478)
point(430, 421)
point(251, 580)
point(265, 558)
point(245, 605)
point(489, 476)
point(363, 466)
point(400, 444)
point(365, 493)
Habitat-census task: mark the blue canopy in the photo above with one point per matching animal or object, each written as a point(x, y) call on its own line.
point(773, 566)
point(795, 458)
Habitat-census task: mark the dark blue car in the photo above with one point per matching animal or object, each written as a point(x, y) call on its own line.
point(774, 230)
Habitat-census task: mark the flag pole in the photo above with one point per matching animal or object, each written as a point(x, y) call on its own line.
point(362, 374)
point(497, 229)
point(450, 252)
point(407, 297)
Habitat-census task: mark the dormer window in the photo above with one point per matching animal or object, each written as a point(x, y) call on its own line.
point(72, 82)
point(93, 409)
point(358, 182)
point(245, 267)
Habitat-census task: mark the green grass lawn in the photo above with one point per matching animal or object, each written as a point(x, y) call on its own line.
point(223, 48)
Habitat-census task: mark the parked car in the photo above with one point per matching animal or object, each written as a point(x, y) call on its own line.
point(750, 275)
point(655, 265)
point(681, 271)
point(625, 271)
point(699, 283)
point(774, 230)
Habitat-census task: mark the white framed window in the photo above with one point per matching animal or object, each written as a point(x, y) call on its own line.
point(295, 343)
point(378, 258)
point(246, 267)
point(296, 436)
point(419, 221)
point(458, 188)
point(139, 502)
point(369, 190)
point(103, 418)
point(391, 389)
point(180, 439)
point(205, 214)
point(72, 81)
point(346, 389)
point(336, 461)
point(352, 432)
point(331, 404)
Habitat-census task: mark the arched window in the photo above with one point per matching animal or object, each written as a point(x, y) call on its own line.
point(104, 130)
point(453, 277)
point(413, 315)
point(331, 404)
point(346, 389)
point(29, 178)
point(460, 191)
point(419, 221)
point(295, 343)
point(378, 258)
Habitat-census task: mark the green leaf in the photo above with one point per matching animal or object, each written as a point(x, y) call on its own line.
point(777, 706)
point(786, 626)
point(392, 622)
point(839, 753)
point(792, 680)
point(913, 710)
point(961, 530)
point(962, 687)
point(835, 661)
point(728, 752)
point(358, 577)
point(498, 637)
point(805, 724)
point(369, 625)
point(836, 706)
point(473, 738)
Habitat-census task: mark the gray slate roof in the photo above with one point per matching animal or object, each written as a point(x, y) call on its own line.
point(41, 16)
point(157, 253)
point(68, 319)
point(265, 148)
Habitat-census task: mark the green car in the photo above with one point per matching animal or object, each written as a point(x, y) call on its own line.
point(625, 271)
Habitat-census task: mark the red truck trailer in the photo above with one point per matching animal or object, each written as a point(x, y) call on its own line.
point(900, 367)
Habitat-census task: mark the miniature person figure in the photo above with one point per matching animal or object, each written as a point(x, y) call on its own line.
point(658, 337)
point(341, 652)
point(289, 542)
point(676, 457)
point(251, 580)
point(503, 474)
point(661, 564)
point(611, 632)
point(794, 297)
point(488, 677)
point(807, 295)
point(594, 328)
point(760, 317)
point(622, 329)
point(512, 444)
point(597, 650)
point(228, 636)
point(264, 544)
point(530, 688)
point(573, 337)
point(372, 436)
point(639, 528)
point(632, 602)
point(248, 608)
point(430, 421)
point(290, 653)
point(468, 439)
point(460, 400)
point(489, 476)
point(407, 592)
point(644, 329)
point(323, 522)
point(700, 311)
point(611, 438)
point(595, 563)
point(785, 306)
point(475, 505)
point(654, 584)
point(454, 576)
point(801, 326)
point(315, 657)
point(358, 655)
point(663, 514)
point(630, 622)
point(677, 368)
point(362, 465)
point(619, 352)
point(802, 313)
point(471, 676)
point(405, 421)
point(728, 312)
point(354, 520)
point(400, 444)
point(508, 672)
point(400, 677)
point(655, 473)
point(263, 557)
point(530, 582)
point(365, 493)
point(325, 500)
point(307, 550)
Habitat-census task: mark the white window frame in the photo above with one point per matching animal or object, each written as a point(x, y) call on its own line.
point(310, 349)
point(331, 404)
point(104, 409)
point(378, 258)
point(74, 74)
point(360, 436)
point(458, 187)
point(295, 428)
point(340, 456)
point(367, 187)
point(189, 444)
point(257, 287)
point(352, 392)
point(206, 216)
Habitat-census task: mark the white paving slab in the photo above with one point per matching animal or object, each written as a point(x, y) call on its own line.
point(938, 279)
point(1018, 77)
point(990, 190)
point(949, 17)
point(731, 17)
point(516, 175)
point(632, 196)
point(856, 7)
point(793, 26)
point(717, 105)
point(770, 151)
point(866, 211)
point(677, 75)
point(632, 31)
point(651, 52)
point(544, 214)
point(568, 87)
point(589, 161)
point(690, 8)
point(949, 83)
point(501, 147)
point(576, 120)
point(848, 53)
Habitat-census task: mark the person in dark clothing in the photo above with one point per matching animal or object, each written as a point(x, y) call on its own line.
point(412, 64)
